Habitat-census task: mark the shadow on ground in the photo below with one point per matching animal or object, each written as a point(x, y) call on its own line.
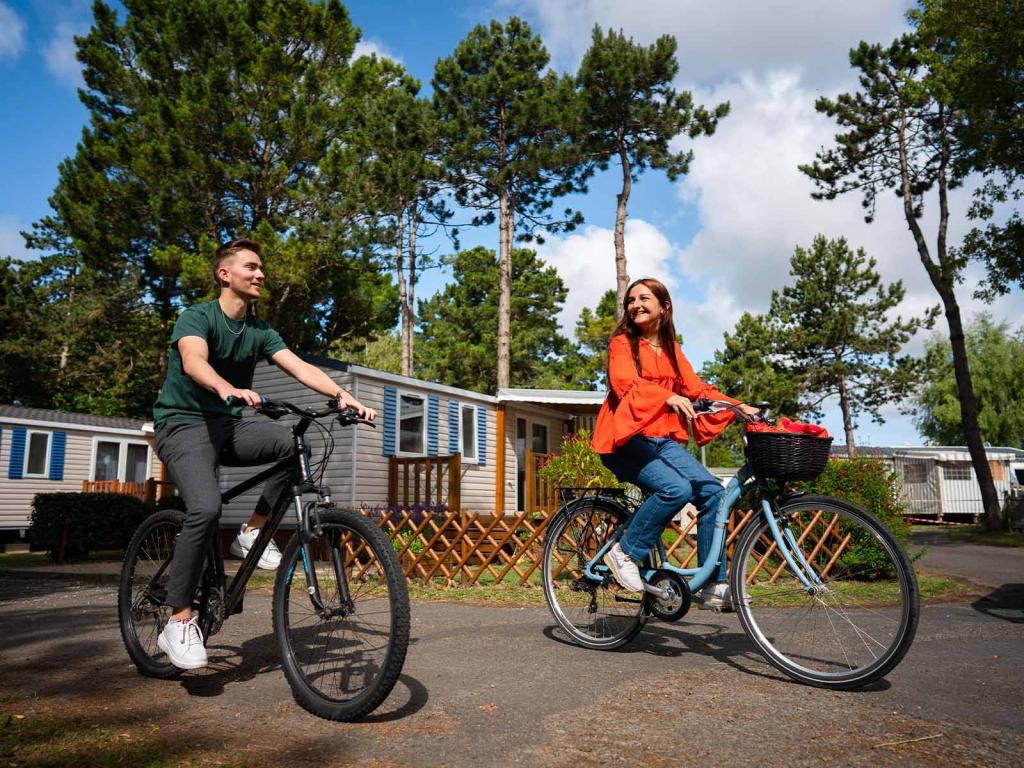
point(1006, 603)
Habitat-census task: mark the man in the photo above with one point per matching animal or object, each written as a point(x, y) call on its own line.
point(214, 350)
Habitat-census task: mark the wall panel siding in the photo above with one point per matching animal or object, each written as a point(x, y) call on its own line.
point(16, 495)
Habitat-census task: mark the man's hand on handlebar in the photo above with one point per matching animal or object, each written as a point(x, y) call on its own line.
point(245, 396)
point(345, 400)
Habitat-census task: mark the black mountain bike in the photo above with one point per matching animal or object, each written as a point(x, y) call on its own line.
point(340, 605)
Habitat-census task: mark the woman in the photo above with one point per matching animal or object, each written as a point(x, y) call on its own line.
point(641, 427)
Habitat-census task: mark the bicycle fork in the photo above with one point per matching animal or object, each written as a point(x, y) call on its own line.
point(309, 528)
point(790, 548)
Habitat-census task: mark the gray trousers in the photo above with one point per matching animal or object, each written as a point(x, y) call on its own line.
point(192, 453)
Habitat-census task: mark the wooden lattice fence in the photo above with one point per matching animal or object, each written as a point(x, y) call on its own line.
point(467, 548)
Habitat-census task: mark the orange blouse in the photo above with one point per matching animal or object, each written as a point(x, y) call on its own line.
point(636, 402)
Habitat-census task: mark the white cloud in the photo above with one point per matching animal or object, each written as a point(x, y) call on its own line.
point(370, 46)
point(12, 244)
point(585, 260)
point(725, 38)
point(12, 33)
point(59, 55)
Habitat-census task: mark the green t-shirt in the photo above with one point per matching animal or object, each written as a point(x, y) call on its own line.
point(234, 349)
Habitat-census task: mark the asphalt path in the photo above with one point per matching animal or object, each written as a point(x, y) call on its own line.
point(498, 686)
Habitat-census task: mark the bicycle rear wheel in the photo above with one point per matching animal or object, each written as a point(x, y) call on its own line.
point(142, 609)
point(852, 628)
point(594, 614)
point(343, 657)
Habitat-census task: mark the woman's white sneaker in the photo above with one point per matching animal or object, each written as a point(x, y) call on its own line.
point(271, 557)
point(183, 643)
point(624, 569)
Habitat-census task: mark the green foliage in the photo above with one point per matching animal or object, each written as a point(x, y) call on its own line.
point(585, 366)
point(95, 521)
point(868, 483)
point(458, 325)
point(382, 353)
point(577, 465)
point(996, 358)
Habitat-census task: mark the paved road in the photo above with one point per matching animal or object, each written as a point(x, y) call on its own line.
point(487, 686)
point(982, 564)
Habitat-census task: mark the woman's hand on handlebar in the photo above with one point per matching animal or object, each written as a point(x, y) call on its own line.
point(681, 405)
point(345, 400)
point(244, 396)
point(749, 410)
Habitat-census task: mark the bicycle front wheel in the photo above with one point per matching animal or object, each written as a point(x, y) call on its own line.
point(855, 622)
point(342, 646)
point(595, 614)
point(142, 609)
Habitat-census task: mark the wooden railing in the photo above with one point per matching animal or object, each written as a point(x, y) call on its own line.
point(540, 495)
point(151, 490)
point(429, 480)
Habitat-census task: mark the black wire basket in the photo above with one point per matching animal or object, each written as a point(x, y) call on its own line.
point(788, 455)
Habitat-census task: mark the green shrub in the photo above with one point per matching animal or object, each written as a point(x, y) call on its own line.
point(94, 520)
point(869, 484)
point(577, 465)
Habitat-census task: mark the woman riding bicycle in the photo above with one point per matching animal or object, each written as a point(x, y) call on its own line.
point(641, 428)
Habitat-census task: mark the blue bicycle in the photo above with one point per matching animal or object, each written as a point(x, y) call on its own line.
point(821, 587)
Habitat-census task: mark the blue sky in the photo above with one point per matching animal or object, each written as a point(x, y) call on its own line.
point(721, 238)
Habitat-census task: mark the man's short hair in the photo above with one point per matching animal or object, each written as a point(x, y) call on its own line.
point(227, 250)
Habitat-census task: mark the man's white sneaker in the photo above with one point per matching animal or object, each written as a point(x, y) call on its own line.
point(183, 643)
point(716, 596)
point(271, 557)
point(623, 569)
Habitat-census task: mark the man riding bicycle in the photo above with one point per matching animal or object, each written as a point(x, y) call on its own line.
point(215, 346)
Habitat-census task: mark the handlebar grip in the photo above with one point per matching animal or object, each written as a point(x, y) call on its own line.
point(232, 401)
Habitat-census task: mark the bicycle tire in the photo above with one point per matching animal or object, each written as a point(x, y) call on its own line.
point(142, 611)
point(342, 666)
point(596, 616)
point(854, 630)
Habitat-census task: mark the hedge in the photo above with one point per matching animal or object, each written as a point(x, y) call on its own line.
point(94, 521)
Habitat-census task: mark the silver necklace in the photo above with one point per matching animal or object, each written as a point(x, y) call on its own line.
point(239, 332)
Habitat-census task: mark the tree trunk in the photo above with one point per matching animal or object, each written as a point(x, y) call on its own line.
point(506, 226)
point(408, 310)
point(844, 405)
point(942, 276)
point(621, 273)
point(403, 292)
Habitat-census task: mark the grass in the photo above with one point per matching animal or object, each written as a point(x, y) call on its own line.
point(876, 593)
point(977, 534)
point(29, 739)
point(30, 559)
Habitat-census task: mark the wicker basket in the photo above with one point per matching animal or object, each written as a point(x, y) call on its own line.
point(788, 455)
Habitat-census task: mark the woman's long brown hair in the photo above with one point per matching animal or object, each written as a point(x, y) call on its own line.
point(666, 331)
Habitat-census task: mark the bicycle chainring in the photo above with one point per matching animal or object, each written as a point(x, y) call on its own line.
point(677, 604)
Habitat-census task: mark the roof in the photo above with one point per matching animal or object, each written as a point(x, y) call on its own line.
point(20, 414)
point(936, 452)
point(554, 396)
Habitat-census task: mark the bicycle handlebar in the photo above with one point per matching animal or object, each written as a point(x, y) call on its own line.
point(276, 409)
point(705, 407)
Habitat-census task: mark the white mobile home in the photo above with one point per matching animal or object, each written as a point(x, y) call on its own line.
point(434, 445)
point(45, 451)
point(939, 481)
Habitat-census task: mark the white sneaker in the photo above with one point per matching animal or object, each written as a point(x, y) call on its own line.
point(716, 596)
point(183, 643)
point(271, 557)
point(624, 569)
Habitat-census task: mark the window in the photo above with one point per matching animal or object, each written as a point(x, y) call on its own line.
point(120, 460)
point(540, 438)
point(412, 424)
point(957, 472)
point(913, 473)
point(107, 461)
point(37, 455)
point(467, 427)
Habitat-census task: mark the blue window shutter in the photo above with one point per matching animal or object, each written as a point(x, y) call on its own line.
point(57, 442)
point(17, 453)
point(481, 436)
point(453, 427)
point(433, 407)
point(390, 419)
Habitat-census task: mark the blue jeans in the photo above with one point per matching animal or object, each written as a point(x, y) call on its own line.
point(674, 478)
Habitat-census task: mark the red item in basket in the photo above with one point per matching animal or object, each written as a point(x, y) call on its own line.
point(787, 425)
